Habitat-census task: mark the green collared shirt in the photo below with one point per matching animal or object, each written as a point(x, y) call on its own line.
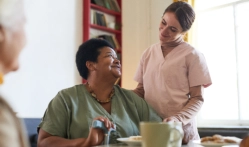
point(71, 112)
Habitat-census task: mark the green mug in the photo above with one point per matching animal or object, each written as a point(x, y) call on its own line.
point(161, 134)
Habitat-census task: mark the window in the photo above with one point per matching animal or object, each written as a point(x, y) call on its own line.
point(221, 34)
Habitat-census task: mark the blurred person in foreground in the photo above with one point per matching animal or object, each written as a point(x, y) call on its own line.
point(12, 41)
point(69, 116)
point(172, 74)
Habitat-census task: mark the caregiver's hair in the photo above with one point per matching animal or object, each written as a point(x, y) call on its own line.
point(11, 13)
point(183, 12)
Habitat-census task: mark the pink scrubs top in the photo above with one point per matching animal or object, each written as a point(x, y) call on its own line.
point(166, 81)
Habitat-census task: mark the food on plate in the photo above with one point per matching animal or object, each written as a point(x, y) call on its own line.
point(217, 137)
point(135, 138)
point(220, 139)
point(207, 139)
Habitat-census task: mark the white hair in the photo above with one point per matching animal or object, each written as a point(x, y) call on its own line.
point(11, 13)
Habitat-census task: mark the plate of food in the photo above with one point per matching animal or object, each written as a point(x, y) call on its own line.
point(218, 141)
point(132, 140)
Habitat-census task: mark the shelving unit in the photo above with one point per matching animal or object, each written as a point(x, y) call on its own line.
point(89, 27)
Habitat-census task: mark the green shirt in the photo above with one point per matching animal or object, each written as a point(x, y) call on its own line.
point(71, 112)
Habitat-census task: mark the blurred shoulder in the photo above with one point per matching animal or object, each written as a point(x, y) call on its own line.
point(189, 48)
point(151, 50)
point(70, 94)
point(189, 51)
point(8, 125)
point(152, 47)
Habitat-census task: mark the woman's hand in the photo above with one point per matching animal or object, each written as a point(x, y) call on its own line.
point(96, 136)
point(170, 119)
point(186, 137)
point(107, 122)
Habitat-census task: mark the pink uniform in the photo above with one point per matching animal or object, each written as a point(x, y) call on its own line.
point(166, 82)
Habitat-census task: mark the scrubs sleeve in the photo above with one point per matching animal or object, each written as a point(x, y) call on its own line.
point(145, 111)
point(139, 73)
point(198, 72)
point(55, 119)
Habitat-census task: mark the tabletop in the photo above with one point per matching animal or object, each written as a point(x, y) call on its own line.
point(190, 144)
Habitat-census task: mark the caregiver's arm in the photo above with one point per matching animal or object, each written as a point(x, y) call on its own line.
point(192, 107)
point(139, 90)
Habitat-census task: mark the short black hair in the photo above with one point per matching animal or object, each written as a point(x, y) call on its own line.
point(184, 13)
point(89, 51)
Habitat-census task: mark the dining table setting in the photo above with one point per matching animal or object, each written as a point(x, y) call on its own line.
point(169, 135)
point(193, 143)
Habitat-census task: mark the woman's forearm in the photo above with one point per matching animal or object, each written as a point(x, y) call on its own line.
point(47, 140)
point(54, 141)
point(193, 106)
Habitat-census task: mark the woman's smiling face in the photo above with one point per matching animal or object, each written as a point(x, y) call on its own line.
point(169, 28)
point(107, 63)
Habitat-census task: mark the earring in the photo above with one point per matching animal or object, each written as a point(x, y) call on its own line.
point(1, 78)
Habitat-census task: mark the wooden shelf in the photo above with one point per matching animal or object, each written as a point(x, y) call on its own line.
point(102, 28)
point(88, 27)
point(119, 50)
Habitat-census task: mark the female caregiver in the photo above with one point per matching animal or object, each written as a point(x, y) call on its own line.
point(172, 74)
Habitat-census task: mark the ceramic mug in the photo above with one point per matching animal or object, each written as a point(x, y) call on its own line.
point(161, 134)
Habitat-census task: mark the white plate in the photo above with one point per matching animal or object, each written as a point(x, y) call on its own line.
point(130, 142)
point(213, 144)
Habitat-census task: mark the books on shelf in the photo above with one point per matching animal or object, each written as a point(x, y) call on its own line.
point(108, 4)
point(105, 18)
point(102, 20)
point(115, 5)
point(117, 45)
point(119, 56)
point(98, 18)
point(98, 2)
point(93, 16)
point(112, 40)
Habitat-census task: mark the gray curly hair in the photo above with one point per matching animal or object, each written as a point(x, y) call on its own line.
point(11, 13)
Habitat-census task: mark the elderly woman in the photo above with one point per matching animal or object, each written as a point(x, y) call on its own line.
point(12, 40)
point(68, 118)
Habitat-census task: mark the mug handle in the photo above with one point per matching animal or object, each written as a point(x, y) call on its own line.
point(174, 140)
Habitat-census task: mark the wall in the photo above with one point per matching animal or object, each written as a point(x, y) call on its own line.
point(141, 20)
point(53, 32)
